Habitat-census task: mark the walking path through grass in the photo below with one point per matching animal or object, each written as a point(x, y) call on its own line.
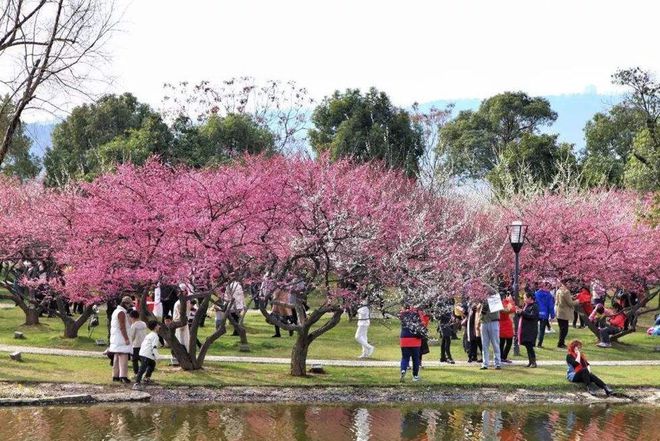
point(279, 360)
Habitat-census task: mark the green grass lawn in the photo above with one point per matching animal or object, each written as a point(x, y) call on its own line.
point(339, 343)
point(39, 368)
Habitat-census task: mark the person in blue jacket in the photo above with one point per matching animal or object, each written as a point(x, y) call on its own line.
point(546, 304)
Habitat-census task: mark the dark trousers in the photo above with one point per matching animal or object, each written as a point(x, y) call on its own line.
point(237, 318)
point(445, 348)
point(576, 316)
point(531, 355)
point(136, 360)
point(607, 331)
point(563, 332)
point(147, 366)
point(406, 355)
point(543, 323)
point(475, 345)
point(505, 347)
point(586, 377)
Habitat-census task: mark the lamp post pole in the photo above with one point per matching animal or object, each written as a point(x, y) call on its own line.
point(517, 233)
point(516, 291)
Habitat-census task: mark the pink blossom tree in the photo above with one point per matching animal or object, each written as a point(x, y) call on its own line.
point(34, 227)
point(595, 236)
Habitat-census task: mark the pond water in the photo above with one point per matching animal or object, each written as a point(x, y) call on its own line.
point(329, 423)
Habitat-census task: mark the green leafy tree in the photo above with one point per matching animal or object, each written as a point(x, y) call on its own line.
point(473, 143)
point(609, 143)
point(534, 160)
point(96, 137)
point(219, 139)
point(365, 128)
point(644, 97)
point(19, 161)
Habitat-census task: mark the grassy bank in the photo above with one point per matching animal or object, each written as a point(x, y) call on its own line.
point(339, 343)
point(38, 368)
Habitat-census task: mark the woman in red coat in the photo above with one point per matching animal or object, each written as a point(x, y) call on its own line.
point(506, 327)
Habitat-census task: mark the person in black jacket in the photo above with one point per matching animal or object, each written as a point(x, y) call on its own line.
point(528, 327)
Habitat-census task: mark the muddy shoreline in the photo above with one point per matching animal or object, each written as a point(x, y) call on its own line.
point(47, 394)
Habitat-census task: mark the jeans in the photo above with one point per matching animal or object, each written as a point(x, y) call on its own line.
point(563, 332)
point(147, 366)
point(406, 354)
point(586, 377)
point(607, 331)
point(490, 336)
point(531, 355)
point(361, 338)
point(543, 323)
point(505, 347)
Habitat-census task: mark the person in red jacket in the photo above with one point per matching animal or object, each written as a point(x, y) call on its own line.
point(616, 324)
point(584, 306)
point(506, 327)
point(410, 339)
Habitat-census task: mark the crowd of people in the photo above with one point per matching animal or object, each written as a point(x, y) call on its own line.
point(489, 327)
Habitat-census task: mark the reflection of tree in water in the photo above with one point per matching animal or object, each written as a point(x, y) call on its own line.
point(329, 423)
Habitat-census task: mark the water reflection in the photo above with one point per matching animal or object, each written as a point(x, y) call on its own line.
point(330, 423)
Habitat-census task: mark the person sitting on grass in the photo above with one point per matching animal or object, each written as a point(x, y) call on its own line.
point(616, 322)
point(148, 355)
point(579, 370)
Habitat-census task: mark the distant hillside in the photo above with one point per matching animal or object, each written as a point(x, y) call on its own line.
point(573, 110)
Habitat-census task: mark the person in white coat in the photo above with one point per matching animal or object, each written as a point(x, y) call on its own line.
point(158, 304)
point(363, 323)
point(120, 343)
point(235, 292)
point(182, 333)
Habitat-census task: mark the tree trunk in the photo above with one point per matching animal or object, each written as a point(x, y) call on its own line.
point(71, 327)
point(31, 316)
point(299, 355)
point(179, 351)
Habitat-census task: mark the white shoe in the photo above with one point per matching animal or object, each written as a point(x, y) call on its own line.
point(370, 352)
point(416, 378)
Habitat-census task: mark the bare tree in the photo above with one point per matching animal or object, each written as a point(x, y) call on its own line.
point(49, 48)
point(434, 169)
point(281, 107)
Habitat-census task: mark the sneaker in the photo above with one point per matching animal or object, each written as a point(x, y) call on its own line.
point(416, 378)
point(148, 381)
point(124, 380)
point(450, 361)
point(507, 361)
point(604, 345)
point(608, 391)
point(533, 364)
point(371, 352)
point(115, 379)
point(562, 346)
point(137, 386)
point(498, 368)
point(483, 368)
point(403, 376)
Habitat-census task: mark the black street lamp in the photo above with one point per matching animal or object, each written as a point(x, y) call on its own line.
point(516, 235)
